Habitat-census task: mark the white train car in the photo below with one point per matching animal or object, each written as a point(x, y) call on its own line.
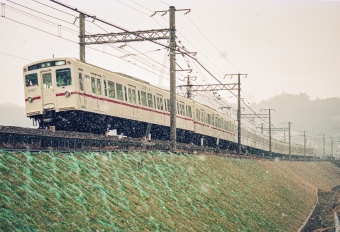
point(96, 99)
point(74, 95)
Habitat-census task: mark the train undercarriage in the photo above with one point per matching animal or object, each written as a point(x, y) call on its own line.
point(88, 122)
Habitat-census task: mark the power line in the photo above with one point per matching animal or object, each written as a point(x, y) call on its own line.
point(14, 56)
point(55, 8)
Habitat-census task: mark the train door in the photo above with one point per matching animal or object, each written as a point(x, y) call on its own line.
point(82, 100)
point(132, 97)
point(48, 95)
point(160, 107)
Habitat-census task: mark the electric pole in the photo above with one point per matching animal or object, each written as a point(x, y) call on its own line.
point(239, 151)
point(323, 138)
point(270, 130)
point(172, 78)
point(130, 36)
point(304, 142)
point(331, 146)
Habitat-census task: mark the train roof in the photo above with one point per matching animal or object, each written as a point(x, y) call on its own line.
point(117, 73)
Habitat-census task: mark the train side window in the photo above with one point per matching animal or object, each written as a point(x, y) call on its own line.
point(177, 108)
point(183, 109)
point(112, 92)
point(119, 91)
point(202, 116)
point(189, 112)
point(139, 102)
point(63, 77)
point(125, 93)
point(212, 120)
point(168, 103)
point(130, 95)
point(99, 87)
point(150, 103)
point(93, 84)
point(81, 81)
point(105, 88)
point(165, 105)
point(47, 80)
point(133, 96)
point(143, 96)
point(31, 79)
point(197, 115)
point(161, 102)
point(154, 102)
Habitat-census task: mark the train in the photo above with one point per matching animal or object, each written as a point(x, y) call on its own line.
point(72, 95)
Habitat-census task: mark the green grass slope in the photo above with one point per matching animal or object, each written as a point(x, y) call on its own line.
point(108, 192)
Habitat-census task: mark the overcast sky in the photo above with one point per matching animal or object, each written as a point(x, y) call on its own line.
point(283, 46)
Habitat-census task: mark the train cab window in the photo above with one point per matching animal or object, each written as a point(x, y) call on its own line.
point(80, 77)
point(31, 79)
point(143, 96)
point(93, 84)
point(99, 87)
point(47, 80)
point(63, 77)
point(150, 103)
point(119, 91)
point(112, 92)
point(105, 88)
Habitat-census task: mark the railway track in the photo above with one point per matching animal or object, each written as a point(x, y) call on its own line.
point(37, 140)
point(20, 139)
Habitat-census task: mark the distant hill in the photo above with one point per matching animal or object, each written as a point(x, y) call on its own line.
point(317, 117)
point(13, 115)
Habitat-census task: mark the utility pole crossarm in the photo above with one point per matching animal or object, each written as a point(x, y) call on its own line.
point(253, 116)
point(212, 87)
point(127, 36)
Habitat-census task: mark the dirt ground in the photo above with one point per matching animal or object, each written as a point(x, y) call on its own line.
point(322, 218)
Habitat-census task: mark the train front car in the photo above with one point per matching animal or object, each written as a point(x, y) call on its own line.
point(49, 85)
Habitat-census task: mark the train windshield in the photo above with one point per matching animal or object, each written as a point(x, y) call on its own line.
point(63, 77)
point(46, 64)
point(31, 79)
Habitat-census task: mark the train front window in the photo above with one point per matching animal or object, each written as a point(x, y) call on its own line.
point(47, 80)
point(31, 79)
point(63, 77)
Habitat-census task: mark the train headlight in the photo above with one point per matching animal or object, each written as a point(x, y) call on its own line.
point(67, 94)
point(30, 99)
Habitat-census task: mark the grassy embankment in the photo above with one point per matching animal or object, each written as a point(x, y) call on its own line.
point(59, 192)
